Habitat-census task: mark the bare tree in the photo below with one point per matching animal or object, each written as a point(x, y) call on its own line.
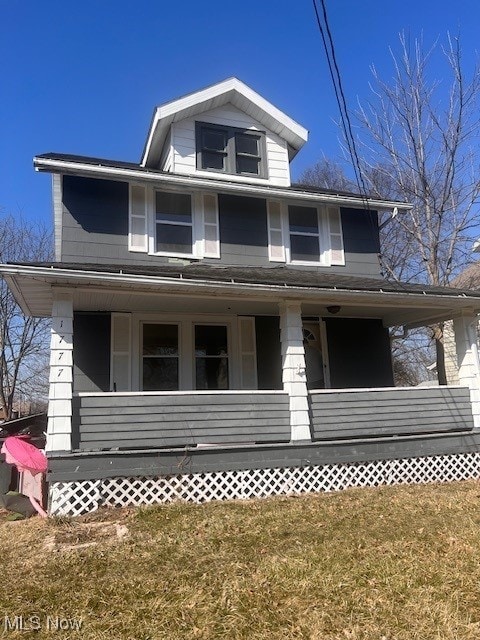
point(23, 340)
point(419, 141)
point(326, 174)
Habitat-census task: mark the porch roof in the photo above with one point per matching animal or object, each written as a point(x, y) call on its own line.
point(397, 303)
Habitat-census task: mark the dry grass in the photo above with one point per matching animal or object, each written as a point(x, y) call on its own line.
point(394, 564)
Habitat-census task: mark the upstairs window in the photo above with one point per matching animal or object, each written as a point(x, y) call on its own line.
point(230, 150)
point(173, 223)
point(305, 234)
point(306, 241)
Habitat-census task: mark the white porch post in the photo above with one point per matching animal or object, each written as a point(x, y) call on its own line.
point(293, 369)
point(59, 430)
point(465, 329)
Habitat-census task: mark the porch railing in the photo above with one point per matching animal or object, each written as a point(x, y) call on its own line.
point(171, 419)
point(366, 413)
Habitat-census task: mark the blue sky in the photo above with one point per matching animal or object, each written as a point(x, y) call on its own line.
point(84, 77)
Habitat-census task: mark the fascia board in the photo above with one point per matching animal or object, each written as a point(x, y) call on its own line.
point(190, 181)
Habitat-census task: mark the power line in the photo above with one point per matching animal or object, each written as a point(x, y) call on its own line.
point(329, 47)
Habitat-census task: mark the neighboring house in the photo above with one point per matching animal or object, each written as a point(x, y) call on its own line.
point(468, 279)
point(218, 331)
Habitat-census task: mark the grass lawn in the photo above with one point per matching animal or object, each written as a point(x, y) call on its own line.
point(389, 563)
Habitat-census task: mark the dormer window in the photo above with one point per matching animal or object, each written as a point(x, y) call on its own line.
point(230, 150)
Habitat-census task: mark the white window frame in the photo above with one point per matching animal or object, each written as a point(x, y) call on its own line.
point(186, 374)
point(141, 356)
point(198, 224)
point(152, 240)
point(323, 235)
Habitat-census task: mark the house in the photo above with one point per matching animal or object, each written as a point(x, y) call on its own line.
point(220, 332)
point(469, 279)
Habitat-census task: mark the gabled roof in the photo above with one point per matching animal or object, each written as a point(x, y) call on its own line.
point(231, 91)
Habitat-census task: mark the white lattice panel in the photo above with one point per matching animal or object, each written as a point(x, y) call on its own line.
point(74, 498)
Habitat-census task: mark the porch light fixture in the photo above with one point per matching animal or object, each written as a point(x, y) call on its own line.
point(334, 309)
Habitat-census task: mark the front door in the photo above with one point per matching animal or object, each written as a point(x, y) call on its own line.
point(316, 360)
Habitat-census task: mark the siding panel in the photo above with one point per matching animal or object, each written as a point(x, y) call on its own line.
point(358, 414)
point(161, 420)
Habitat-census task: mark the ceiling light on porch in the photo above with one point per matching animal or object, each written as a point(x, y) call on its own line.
point(334, 309)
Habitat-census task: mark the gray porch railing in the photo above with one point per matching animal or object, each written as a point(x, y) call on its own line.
point(177, 419)
point(364, 413)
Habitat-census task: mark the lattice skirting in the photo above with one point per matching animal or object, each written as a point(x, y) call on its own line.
point(75, 498)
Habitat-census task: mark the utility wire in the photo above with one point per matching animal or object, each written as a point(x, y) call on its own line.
point(329, 47)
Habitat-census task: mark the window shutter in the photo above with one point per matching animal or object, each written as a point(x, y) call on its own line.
point(120, 363)
point(276, 245)
point(248, 352)
point(211, 232)
point(337, 255)
point(137, 224)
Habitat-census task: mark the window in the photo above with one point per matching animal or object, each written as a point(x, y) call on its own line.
point(305, 234)
point(173, 352)
point(173, 223)
point(230, 150)
point(160, 356)
point(306, 242)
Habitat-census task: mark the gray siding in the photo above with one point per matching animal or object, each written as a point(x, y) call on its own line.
point(169, 420)
point(91, 352)
point(95, 228)
point(360, 414)
point(110, 464)
point(359, 353)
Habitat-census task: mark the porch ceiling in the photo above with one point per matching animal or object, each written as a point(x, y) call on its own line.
point(230, 290)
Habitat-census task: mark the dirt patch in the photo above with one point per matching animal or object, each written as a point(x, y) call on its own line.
point(73, 535)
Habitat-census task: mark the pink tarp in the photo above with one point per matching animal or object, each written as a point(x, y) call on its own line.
point(25, 457)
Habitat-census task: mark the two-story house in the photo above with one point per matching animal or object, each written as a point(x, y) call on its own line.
point(218, 331)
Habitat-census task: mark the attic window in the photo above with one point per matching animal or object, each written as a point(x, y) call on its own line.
point(230, 150)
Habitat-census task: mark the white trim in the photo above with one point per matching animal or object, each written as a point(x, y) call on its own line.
point(332, 211)
point(138, 216)
point(57, 202)
point(191, 181)
point(190, 392)
point(419, 388)
point(212, 225)
point(272, 229)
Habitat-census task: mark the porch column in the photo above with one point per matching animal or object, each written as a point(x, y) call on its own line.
point(59, 429)
point(465, 329)
point(294, 370)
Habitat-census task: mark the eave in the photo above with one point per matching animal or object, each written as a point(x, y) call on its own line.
point(34, 289)
point(171, 180)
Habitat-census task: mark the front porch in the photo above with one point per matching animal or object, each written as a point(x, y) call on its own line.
point(203, 387)
point(155, 448)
